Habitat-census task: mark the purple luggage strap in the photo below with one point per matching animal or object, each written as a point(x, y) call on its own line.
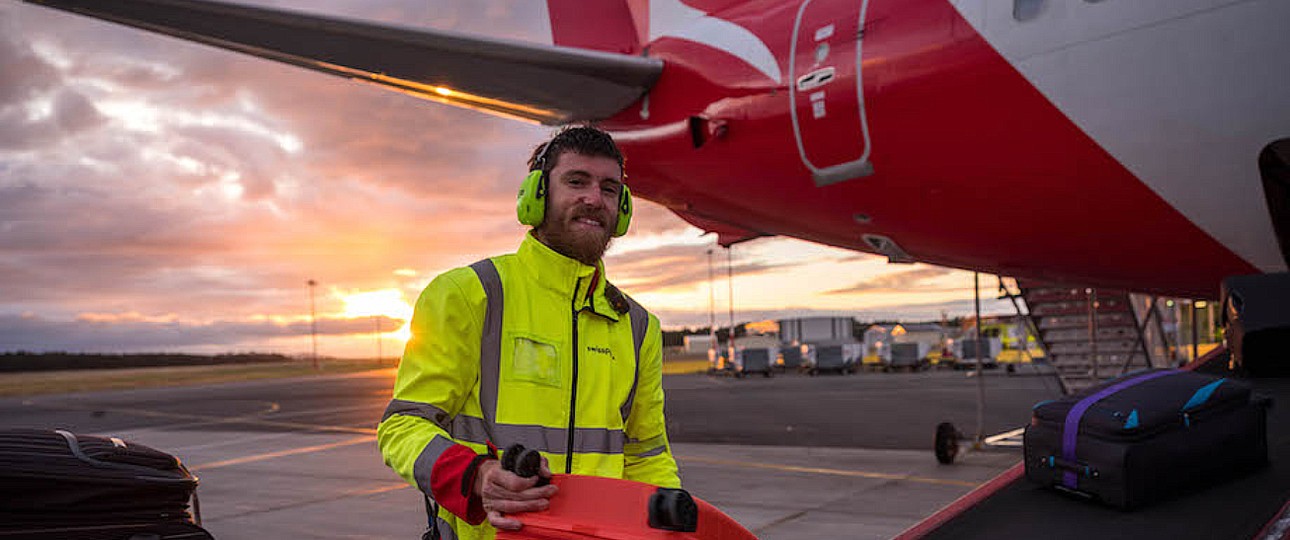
point(1070, 430)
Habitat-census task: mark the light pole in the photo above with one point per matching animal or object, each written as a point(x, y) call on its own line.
point(730, 278)
point(712, 309)
point(313, 322)
point(1195, 332)
point(980, 361)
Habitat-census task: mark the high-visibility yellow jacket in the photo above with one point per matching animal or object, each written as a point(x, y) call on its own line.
point(532, 348)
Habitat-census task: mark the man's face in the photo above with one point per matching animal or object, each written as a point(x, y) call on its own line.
point(581, 206)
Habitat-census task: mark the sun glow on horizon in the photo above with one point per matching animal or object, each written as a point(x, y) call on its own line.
point(383, 302)
point(387, 302)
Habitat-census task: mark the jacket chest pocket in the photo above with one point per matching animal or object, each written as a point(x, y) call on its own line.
point(535, 360)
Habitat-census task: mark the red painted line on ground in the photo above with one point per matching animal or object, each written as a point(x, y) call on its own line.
point(962, 504)
point(1272, 527)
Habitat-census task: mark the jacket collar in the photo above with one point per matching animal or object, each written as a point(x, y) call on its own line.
point(568, 277)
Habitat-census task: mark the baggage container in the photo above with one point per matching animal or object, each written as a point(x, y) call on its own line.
point(831, 357)
point(907, 356)
point(967, 353)
point(59, 485)
point(793, 356)
point(1145, 436)
point(755, 360)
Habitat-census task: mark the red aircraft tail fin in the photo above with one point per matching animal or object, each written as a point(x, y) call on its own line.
point(617, 26)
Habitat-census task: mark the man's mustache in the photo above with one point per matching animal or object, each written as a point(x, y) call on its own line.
point(591, 213)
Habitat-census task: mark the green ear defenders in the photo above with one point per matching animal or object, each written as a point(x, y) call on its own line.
point(530, 205)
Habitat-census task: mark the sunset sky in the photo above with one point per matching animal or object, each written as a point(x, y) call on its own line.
point(157, 195)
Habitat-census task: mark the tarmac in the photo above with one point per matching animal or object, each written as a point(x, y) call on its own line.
point(788, 457)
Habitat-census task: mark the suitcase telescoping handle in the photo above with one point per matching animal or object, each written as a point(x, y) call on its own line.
point(524, 462)
point(1082, 469)
point(140, 472)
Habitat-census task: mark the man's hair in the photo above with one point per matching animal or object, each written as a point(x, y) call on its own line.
point(583, 139)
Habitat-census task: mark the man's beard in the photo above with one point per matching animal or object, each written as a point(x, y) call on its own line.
point(584, 245)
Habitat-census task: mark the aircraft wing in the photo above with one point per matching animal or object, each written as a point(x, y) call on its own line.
point(542, 83)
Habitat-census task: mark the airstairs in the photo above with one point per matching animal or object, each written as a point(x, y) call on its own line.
point(1092, 335)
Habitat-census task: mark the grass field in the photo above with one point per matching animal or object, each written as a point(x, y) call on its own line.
point(60, 382)
point(680, 367)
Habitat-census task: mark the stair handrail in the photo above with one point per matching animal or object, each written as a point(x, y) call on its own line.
point(1142, 338)
point(1031, 325)
point(1093, 307)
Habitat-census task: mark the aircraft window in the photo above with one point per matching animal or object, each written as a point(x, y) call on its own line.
point(1025, 10)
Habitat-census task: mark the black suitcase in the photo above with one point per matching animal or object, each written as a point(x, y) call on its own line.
point(55, 484)
point(1145, 436)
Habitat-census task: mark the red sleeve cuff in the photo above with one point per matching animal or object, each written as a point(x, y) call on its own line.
point(451, 480)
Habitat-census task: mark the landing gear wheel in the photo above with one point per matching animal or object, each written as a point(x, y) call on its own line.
point(947, 443)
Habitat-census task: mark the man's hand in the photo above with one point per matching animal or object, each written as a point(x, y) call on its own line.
point(503, 492)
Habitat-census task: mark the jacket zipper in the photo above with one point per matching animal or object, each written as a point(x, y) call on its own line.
point(573, 394)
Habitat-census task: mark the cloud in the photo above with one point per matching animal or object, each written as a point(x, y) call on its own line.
point(677, 266)
point(132, 332)
point(36, 105)
point(143, 173)
point(914, 280)
point(652, 219)
point(26, 75)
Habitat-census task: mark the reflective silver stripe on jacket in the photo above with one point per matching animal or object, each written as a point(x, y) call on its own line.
point(445, 530)
point(646, 448)
point(640, 323)
point(424, 464)
point(490, 342)
point(547, 439)
point(434, 414)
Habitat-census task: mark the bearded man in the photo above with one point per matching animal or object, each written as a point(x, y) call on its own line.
point(534, 348)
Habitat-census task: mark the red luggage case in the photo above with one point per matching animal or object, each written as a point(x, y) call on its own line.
point(590, 508)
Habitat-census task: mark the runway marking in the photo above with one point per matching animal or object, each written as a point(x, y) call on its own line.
point(282, 453)
point(779, 522)
point(368, 407)
point(833, 472)
point(342, 495)
point(273, 407)
point(232, 442)
point(246, 419)
point(218, 419)
point(378, 490)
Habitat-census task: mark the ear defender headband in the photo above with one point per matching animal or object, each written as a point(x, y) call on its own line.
point(530, 205)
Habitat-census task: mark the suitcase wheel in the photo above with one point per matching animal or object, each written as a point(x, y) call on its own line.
point(673, 510)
